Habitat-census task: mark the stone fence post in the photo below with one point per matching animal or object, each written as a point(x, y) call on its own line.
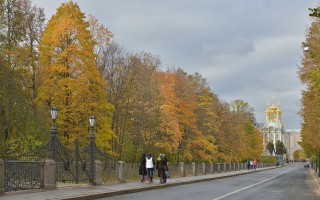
point(1, 176)
point(121, 171)
point(182, 169)
point(49, 174)
point(203, 168)
point(194, 169)
point(97, 179)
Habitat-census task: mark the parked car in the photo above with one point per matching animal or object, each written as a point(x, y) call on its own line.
point(307, 165)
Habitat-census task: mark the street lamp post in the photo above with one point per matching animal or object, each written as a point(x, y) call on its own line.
point(92, 120)
point(53, 131)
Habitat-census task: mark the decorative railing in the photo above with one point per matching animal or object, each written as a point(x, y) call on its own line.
point(22, 175)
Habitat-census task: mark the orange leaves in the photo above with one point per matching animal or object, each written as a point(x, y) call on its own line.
point(169, 127)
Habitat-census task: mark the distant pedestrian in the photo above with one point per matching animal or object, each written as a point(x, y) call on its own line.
point(248, 164)
point(150, 167)
point(142, 167)
point(251, 164)
point(255, 164)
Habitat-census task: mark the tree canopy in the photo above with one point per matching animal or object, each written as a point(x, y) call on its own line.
point(310, 76)
point(71, 62)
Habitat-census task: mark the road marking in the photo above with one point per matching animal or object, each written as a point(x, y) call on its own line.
point(249, 186)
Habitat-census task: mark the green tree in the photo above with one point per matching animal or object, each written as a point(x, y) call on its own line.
point(270, 147)
point(280, 148)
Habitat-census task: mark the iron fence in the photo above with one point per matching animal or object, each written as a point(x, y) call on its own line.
point(22, 175)
point(72, 166)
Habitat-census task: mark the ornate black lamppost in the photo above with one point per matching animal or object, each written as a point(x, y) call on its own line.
point(92, 120)
point(53, 131)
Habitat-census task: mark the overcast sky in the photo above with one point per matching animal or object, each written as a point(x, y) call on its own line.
point(246, 49)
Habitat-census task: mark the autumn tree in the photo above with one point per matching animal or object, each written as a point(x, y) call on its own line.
point(206, 101)
point(71, 80)
point(309, 75)
point(114, 65)
point(170, 133)
point(185, 91)
point(20, 26)
point(133, 88)
point(251, 142)
point(145, 105)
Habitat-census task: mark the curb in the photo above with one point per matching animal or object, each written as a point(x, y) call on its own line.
point(152, 187)
point(314, 177)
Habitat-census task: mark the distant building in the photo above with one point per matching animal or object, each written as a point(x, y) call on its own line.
point(291, 142)
point(272, 131)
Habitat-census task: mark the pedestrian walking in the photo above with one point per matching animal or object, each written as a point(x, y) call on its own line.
point(251, 164)
point(165, 167)
point(248, 164)
point(142, 167)
point(159, 167)
point(150, 167)
point(255, 164)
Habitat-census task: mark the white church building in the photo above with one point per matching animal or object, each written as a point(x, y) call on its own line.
point(272, 131)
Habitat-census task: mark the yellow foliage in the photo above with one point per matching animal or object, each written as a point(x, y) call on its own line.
point(70, 78)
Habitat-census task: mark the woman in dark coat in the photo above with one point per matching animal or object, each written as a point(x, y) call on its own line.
point(142, 167)
point(159, 167)
point(165, 168)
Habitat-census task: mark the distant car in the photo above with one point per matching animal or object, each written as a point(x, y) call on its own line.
point(307, 165)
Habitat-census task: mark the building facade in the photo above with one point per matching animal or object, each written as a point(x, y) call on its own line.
point(291, 142)
point(272, 131)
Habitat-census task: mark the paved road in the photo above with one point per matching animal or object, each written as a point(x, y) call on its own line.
point(292, 182)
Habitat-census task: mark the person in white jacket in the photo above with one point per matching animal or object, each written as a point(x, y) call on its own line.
point(150, 167)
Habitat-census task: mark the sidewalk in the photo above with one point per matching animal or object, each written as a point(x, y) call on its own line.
point(84, 192)
point(315, 177)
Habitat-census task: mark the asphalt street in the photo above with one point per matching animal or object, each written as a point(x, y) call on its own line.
point(292, 182)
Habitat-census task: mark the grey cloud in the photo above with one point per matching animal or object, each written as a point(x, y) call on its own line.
point(245, 49)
